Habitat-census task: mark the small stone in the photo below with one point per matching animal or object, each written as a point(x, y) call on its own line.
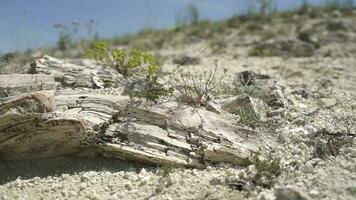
point(128, 187)
point(288, 193)
point(65, 176)
point(308, 168)
point(216, 181)
point(213, 107)
point(82, 186)
point(209, 168)
point(143, 171)
point(86, 176)
point(327, 102)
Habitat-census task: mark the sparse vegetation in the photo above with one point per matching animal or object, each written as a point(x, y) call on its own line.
point(267, 170)
point(165, 170)
point(124, 62)
point(326, 143)
point(129, 64)
point(189, 16)
point(196, 89)
point(266, 6)
point(248, 117)
point(217, 45)
point(151, 89)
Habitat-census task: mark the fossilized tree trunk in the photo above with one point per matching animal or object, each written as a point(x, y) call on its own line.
point(37, 121)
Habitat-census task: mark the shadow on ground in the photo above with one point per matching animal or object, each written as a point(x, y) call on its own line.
point(27, 169)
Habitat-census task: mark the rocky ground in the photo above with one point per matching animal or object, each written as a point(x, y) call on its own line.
point(313, 59)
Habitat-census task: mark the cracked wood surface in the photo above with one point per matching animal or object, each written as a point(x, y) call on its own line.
point(38, 122)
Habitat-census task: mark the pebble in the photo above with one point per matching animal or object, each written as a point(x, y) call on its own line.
point(327, 102)
point(287, 193)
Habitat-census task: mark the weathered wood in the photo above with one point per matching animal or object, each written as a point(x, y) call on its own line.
point(45, 123)
point(77, 76)
point(12, 85)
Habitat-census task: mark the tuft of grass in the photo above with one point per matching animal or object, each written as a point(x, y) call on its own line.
point(165, 170)
point(196, 89)
point(152, 90)
point(267, 171)
point(351, 190)
point(217, 45)
point(326, 143)
point(248, 117)
point(189, 16)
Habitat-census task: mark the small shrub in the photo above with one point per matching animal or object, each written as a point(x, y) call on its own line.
point(351, 190)
point(267, 171)
point(124, 62)
point(165, 170)
point(266, 6)
point(305, 7)
point(326, 143)
point(8, 57)
point(261, 52)
point(128, 63)
point(152, 90)
point(248, 117)
point(190, 16)
point(195, 89)
point(217, 45)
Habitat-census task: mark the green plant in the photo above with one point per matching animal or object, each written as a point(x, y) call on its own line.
point(217, 45)
point(266, 6)
point(190, 16)
point(248, 117)
point(165, 170)
point(129, 64)
point(195, 89)
point(351, 190)
point(326, 143)
point(304, 7)
point(124, 62)
point(152, 89)
point(65, 39)
point(193, 14)
point(267, 170)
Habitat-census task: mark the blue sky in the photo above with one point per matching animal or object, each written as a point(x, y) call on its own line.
point(29, 23)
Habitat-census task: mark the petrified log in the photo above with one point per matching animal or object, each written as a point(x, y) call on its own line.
point(70, 75)
point(42, 122)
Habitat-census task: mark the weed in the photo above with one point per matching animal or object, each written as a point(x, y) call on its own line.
point(260, 51)
point(129, 65)
point(267, 171)
point(248, 117)
point(124, 62)
point(65, 40)
point(326, 143)
point(217, 45)
point(152, 90)
point(304, 8)
point(195, 89)
point(165, 170)
point(190, 16)
point(266, 6)
point(351, 190)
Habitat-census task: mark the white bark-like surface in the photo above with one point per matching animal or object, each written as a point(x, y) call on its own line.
point(36, 121)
